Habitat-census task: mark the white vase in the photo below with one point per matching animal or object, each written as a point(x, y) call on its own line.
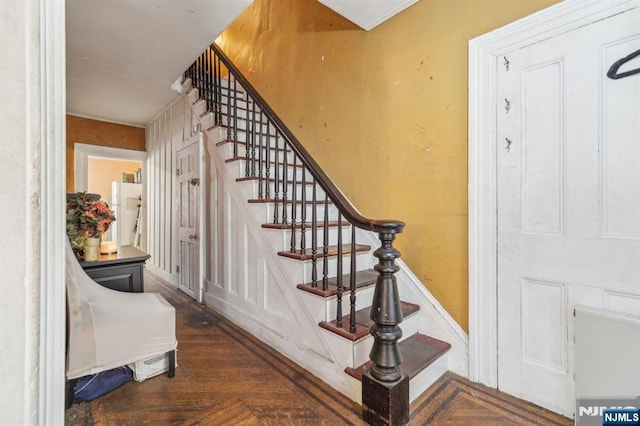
point(91, 249)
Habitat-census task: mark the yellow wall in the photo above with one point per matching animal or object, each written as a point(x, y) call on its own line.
point(95, 132)
point(391, 102)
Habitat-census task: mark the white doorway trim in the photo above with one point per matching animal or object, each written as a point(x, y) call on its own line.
point(83, 151)
point(45, 392)
point(484, 56)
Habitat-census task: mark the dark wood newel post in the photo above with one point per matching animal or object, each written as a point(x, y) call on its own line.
point(385, 389)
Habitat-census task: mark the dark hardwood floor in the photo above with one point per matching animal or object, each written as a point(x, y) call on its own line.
point(225, 376)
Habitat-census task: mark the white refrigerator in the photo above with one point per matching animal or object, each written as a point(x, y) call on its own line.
point(126, 199)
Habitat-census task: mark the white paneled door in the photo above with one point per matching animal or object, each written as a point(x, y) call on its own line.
point(568, 199)
point(188, 207)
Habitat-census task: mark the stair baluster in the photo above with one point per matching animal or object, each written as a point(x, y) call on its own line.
point(293, 206)
point(217, 118)
point(247, 146)
point(303, 211)
point(267, 175)
point(205, 83)
point(276, 185)
point(253, 139)
point(235, 117)
point(211, 105)
point(314, 236)
point(284, 183)
point(229, 116)
point(352, 283)
point(260, 159)
point(325, 246)
point(339, 273)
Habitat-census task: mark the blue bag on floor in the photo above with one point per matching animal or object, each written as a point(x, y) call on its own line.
point(88, 388)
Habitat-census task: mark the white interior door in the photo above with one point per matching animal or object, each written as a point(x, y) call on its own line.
point(568, 200)
point(188, 220)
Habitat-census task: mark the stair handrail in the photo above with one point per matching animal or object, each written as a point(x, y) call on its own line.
point(334, 193)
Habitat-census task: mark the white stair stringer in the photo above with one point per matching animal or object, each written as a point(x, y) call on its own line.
point(290, 323)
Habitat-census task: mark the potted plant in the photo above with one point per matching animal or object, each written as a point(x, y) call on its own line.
point(87, 218)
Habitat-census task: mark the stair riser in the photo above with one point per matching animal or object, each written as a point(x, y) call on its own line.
point(355, 354)
point(241, 113)
point(242, 136)
point(255, 191)
point(284, 238)
point(242, 125)
point(195, 94)
point(240, 169)
point(324, 309)
point(301, 271)
point(320, 209)
point(242, 152)
point(223, 94)
point(364, 297)
point(222, 83)
point(280, 240)
point(427, 377)
point(264, 212)
point(242, 107)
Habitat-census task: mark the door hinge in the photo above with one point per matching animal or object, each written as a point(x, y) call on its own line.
point(178, 269)
point(177, 172)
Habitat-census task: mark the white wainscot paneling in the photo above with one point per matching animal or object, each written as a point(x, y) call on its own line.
point(544, 323)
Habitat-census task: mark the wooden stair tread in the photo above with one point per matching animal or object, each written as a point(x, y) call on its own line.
point(298, 225)
point(363, 321)
point(333, 251)
point(418, 352)
point(363, 279)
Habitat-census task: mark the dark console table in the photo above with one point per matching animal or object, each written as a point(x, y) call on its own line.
point(119, 271)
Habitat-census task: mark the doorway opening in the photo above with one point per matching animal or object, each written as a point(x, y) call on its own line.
point(117, 175)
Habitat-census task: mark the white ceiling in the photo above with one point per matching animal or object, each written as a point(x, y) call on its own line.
point(122, 56)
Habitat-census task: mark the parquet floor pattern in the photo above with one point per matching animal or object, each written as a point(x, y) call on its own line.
point(225, 376)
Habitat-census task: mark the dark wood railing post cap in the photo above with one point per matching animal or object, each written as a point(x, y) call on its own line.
point(387, 226)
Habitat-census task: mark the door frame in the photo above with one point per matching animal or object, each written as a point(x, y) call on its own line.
point(82, 152)
point(484, 53)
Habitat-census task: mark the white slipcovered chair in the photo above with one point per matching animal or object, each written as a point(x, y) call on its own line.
point(109, 329)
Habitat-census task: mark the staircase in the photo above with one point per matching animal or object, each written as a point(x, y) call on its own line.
point(330, 254)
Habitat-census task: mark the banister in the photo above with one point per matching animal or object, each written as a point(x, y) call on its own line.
point(335, 195)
